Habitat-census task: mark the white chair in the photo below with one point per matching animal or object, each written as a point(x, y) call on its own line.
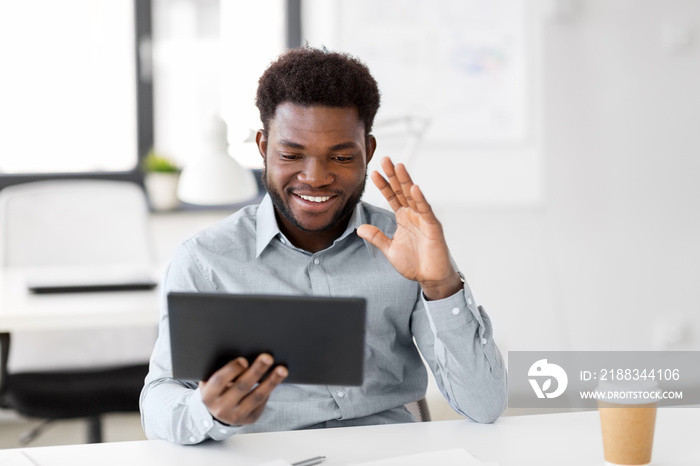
point(96, 224)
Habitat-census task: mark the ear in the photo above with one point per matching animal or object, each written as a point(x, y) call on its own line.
point(371, 147)
point(261, 142)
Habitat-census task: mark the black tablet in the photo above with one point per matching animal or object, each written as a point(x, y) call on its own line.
point(87, 279)
point(45, 288)
point(320, 340)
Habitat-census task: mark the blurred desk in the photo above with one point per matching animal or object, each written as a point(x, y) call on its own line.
point(550, 439)
point(21, 310)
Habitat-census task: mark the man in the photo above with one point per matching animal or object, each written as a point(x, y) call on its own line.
point(312, 235)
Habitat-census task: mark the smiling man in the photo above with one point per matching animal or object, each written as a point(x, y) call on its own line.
point(312, 235)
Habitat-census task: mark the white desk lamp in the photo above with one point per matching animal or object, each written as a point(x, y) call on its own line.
point(216, 178)
point(397, 138)
point(407, 130)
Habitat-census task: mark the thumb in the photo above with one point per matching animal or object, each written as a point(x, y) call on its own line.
point(375, 236)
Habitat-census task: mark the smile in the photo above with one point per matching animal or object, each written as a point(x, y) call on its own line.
point(314, 198)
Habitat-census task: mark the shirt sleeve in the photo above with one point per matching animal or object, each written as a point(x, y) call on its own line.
point(455, 337)
point(173, 409)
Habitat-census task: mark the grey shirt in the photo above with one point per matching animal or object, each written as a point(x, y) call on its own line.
point(247, 253)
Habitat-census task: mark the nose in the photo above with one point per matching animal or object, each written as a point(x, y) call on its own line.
point(316, 173)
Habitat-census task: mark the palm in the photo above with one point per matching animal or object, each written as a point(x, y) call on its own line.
point(417, 250)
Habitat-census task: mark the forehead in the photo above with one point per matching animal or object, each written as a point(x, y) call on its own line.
point(293, 121)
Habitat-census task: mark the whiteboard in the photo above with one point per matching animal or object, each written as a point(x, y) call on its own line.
point(460, 63)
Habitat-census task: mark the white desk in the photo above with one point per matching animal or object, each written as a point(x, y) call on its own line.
point(558, 439)
point(21, 310)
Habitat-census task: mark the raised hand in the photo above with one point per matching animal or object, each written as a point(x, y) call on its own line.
point(418, 249)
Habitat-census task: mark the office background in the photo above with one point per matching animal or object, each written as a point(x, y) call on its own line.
point(579, 230)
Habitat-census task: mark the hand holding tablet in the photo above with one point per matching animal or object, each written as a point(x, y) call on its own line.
point(231, 394)
point(236, 341)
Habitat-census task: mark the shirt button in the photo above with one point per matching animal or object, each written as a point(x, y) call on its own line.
point(223, 431)
point(341, 394)
point(317, 261)
point(455, 311)
point(192, 439)
point(284, 241)
point(207, 424)
point(484, 341)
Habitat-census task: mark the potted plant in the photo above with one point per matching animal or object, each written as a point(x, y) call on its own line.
point(161, 175)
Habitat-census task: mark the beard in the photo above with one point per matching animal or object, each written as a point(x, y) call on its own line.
point(341, 215)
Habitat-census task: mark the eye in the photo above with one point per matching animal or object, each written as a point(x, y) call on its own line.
point(289, 156)
point(343, 158)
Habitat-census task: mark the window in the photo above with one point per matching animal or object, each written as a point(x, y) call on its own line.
point(75, 100)
point(207, 58)
point(86, 92)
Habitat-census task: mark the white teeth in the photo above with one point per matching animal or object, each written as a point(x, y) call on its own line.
point(314, 198)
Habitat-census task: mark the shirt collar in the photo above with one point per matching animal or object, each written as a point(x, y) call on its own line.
point(267, 228)
point(266, 225)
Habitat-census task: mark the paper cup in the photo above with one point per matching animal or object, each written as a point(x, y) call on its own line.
point(628, 432)
point(627, 423)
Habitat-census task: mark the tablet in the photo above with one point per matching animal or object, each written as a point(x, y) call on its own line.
point(84, 287)
point(321, 340)
point(89, 279)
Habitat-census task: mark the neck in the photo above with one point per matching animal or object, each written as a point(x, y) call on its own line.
point(312, 241)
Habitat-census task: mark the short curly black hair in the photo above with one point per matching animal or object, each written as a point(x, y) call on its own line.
point(308, 76)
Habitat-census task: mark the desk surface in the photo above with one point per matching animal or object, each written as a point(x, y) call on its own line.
point(23, 310)
point(556, 439)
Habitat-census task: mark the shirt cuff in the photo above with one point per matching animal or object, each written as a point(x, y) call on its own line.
point(453, 312)
point(203, 423)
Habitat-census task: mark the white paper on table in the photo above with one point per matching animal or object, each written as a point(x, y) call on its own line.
point(276, 463)
point(16, 458)
point(454, 457)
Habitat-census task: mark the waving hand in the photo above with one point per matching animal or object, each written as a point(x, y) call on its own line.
point(418, 249)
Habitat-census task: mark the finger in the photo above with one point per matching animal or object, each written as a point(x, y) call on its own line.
point(422, 205)
point(388, 167)
point(251, 406)
point(406, 183)
point(375, 236)
point(385, 189)
point(220, 381)
point(247, 380)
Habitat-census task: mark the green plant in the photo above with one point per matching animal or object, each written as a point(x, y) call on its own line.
point(154, 162)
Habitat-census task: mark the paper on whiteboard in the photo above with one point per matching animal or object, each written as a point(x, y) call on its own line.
point(461, 64)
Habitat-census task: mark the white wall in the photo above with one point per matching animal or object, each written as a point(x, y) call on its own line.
point(612, 259)
point(622, 112)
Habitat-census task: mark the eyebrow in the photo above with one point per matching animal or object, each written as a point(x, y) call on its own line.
point(296, 145)
point(290, 144)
